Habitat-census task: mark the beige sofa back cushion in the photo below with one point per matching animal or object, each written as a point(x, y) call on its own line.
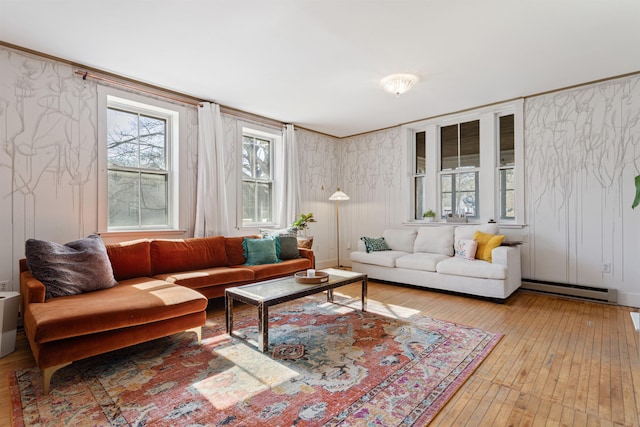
point(435, 240)
point(400, 239)
point(467, 231)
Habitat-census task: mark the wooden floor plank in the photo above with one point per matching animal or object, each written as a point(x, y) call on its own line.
point(629, 361)
point(567, 395)
point(557, 354)
point(493, 411)
point(589, 390)
point(560, 362)
point(605, 409)
point(488, 392)
point(507, 406)
point(563, 382)
point(579, 419)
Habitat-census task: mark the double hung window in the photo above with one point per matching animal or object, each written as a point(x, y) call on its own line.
point(419, 174)
point(506, 167)
point(137, 168)
point(257, 179)
point(468, 165)
point(138, 160)
point(460, 163)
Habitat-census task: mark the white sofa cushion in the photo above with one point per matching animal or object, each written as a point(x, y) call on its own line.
point(463, 267)
point(382, 258)
point(435, 240)
point(420, 261)
point(466, 231)
point(400, 239)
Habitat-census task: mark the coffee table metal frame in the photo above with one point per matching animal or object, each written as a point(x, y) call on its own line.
point(271, 292)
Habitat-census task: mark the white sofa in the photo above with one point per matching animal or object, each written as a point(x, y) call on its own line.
point(425, 257)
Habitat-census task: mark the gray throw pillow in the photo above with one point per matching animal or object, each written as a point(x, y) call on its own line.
point(289, 247)
point(76, 267)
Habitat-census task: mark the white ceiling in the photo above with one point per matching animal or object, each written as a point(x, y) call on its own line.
point(318, 64)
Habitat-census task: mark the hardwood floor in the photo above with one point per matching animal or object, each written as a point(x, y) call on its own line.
point(560, 362)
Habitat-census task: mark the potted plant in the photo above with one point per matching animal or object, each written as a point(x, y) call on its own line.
point(429, 215)
point(300, 225)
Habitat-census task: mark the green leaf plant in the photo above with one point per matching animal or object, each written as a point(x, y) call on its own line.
point(636, 201)
point(303, 221)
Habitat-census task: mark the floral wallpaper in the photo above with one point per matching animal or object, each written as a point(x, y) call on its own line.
point(582, 150)
point(48, 156)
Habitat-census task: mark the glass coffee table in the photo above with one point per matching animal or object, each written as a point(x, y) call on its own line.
point(276, 291)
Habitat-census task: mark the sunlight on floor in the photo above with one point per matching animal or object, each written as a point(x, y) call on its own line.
point(373, 306)
point(239, 372)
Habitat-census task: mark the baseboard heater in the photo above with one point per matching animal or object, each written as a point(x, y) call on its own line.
point(587, 293)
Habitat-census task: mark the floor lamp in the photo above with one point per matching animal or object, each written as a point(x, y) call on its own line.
point(337, 196)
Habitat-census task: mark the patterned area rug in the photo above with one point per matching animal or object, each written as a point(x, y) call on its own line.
point(327, 364)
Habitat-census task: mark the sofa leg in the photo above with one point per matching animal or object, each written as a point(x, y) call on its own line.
point(48, 372)
point(198, 332)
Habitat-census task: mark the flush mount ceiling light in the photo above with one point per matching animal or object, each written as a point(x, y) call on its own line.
point(398, 83)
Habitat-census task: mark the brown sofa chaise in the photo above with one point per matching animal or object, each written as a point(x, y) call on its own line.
point(163, 288)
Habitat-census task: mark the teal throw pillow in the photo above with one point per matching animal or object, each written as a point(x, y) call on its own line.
point(373, 244)
point(260, 251)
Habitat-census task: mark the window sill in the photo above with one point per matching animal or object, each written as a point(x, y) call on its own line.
point(441, 223)
point(141, 234)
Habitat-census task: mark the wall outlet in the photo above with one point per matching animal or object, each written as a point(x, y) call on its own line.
point(606, 267)
point(4, 285)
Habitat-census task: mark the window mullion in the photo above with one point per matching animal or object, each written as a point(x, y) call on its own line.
point(459, 160)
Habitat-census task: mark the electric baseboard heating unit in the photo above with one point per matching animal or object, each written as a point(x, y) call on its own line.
point(587, 293)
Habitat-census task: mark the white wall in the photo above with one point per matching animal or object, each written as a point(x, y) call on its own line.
point(47, 155)
point(48, 163)
point(582, 150)
point(373, 169)
point(318, 163)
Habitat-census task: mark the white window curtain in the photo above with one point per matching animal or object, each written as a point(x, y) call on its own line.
point(289, 176)
point(212, 217)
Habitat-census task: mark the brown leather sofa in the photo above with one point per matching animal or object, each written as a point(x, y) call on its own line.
point(163, 289)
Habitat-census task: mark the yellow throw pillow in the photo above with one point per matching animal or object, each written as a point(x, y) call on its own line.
point(486, 243)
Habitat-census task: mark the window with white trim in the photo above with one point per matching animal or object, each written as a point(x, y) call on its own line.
point(459, 166)
point(260, 175)
point(257, 179)
point(138, 159)
point(419, 175)
point(506, 167)
point(137, 168)
point(468, 164)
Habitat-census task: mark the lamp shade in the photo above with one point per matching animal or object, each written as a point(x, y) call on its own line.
point(339, 195)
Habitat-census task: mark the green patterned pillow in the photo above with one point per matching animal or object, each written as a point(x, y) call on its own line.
point(375, 244)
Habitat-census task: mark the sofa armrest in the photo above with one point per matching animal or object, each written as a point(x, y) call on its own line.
point(509, 256)
point(308, 253)
point(31, 289)
point(502, 254)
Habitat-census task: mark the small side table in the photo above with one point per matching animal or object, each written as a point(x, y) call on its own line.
point(9, 321)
